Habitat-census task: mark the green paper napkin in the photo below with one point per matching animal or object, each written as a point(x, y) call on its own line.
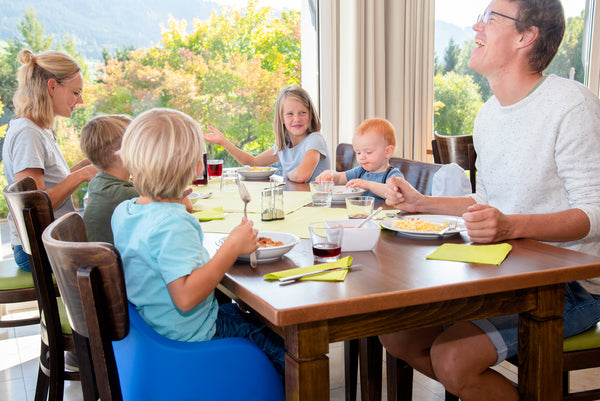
point(210, 214)
point(337, 275)
point(484, 254)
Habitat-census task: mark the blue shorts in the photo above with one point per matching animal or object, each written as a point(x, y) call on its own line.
point(582, 311)
point(21, 258)
point(232, 322)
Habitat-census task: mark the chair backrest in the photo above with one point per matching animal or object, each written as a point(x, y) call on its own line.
point(455, 149)
point(91, 282)
point(31, 210)
point(418, 174)
point(345, 158)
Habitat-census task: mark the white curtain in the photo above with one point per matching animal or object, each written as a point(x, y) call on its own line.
point(377, 61)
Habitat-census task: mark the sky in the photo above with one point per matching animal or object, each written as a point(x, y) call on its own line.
point(458, 12)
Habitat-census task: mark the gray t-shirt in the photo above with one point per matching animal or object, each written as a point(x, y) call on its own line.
point(291, 158)
point(28, 146)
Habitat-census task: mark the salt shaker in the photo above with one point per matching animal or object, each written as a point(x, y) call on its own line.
point(272, 204)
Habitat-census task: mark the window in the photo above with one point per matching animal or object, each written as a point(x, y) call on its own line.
point(454, 113)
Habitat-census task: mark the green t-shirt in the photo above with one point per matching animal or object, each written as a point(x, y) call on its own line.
point(105, 192)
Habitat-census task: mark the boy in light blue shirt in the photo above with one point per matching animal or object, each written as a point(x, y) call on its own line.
point(169, 275)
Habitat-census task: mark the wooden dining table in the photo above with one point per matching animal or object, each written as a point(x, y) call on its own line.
point(395, 287)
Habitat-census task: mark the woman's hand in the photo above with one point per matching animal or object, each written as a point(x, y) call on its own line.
point(401, 195)
point(243, 238)
point(214, 136)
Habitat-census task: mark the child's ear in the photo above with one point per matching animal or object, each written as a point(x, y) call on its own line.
point(389, 151)
point(199, 168)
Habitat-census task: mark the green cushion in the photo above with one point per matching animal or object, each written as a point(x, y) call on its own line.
point(12, 277)
point(587, 340)
point(64, 321)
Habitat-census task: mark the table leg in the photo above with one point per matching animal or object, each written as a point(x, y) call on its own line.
point(306, 362)
point(540, 346)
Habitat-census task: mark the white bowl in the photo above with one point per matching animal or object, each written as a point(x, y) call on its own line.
point(256, 173)
point(271, 253)
point(341, 192)
point(358, 239)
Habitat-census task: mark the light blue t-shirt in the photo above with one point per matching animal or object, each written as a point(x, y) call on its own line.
point(291, 158)
point(159, 243)
point(359, 172)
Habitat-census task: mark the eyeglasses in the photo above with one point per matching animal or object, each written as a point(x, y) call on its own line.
point(78, 93)
point(485, 17)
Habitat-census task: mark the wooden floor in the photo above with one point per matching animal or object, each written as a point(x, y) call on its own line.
point(19, 350)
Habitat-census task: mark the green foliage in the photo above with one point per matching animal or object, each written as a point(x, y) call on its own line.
point(226, 72)
point(569, 52)
point(451, 56)
point(460, 102)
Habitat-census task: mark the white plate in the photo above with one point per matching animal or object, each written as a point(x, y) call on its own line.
point(431, 218)
point(340, 193)
point(271, 253)
point(264, 172)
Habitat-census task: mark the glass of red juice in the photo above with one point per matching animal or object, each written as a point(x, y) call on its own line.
point(215, 167)
point(326, 240)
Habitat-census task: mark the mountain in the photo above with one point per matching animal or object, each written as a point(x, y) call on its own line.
point(445, 31)
point(98, 24)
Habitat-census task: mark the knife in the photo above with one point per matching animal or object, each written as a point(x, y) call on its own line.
point(299, 276)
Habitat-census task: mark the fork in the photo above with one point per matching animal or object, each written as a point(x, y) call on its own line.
point(245, 196)
point(453, 225)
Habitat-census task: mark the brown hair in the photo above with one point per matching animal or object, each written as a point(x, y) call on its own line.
point(101, 137)
point(299, 94)
point(379, 125)
point(548, 16)
point(31, 98)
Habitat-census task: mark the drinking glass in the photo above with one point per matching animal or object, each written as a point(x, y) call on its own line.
point(359, 207)
point(322, 192)
point(326, 240)
point(215, 168)
point(229, 181)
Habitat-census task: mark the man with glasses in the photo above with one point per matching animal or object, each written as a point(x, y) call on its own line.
point(538, 176)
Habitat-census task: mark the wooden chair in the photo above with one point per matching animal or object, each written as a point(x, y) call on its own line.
point(32, 212)
point(455, 149)
point(345, 158)
point(368, 351)
point(132, 361)
point(16, 286)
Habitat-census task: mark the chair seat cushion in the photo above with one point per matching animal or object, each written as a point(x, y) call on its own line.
point(12, 277)
point(64, 321)
point(589, 339)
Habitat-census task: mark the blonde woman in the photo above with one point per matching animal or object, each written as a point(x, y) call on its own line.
point(50, 85)
point(299, 146)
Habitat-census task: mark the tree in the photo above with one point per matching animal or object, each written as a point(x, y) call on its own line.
point(451, 56)
point(457, 101)
point(569, 52)
point(226, 72)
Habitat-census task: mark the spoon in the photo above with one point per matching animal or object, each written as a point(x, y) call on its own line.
point(245, 196)
point(369, 217)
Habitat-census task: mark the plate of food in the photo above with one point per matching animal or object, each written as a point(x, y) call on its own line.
point(425, 226)
point(256, 173)
point(272, 245)
point(341, 192)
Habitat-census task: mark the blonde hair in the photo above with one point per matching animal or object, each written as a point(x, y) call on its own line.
point(101, 137)
point(302, 96)
point(161, 149)
point(31, 98)
point(379, 125)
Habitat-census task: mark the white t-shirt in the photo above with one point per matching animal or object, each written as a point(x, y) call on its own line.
point(542, 155)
